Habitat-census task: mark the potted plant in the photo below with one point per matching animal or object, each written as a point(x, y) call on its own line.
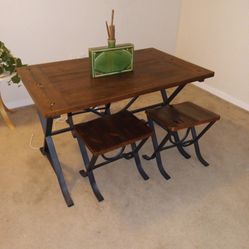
point(8, 64)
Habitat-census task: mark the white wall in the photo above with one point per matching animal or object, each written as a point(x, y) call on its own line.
point(215, 34)
point(41, 31)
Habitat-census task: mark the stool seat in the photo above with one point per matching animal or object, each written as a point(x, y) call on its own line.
point(108, 133)
point(179, 116)
point(176, 117)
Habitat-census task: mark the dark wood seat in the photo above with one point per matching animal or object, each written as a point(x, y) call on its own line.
point(173, 118)
point(183, 115)
point(106, 134)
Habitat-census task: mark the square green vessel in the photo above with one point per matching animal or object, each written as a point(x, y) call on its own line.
point(109, 60)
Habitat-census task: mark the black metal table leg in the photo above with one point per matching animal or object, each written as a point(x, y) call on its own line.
point(174, 94)
point(164, 96)
point(108, 109)
point(50, 152)
point(58, 171)
point(47, 124)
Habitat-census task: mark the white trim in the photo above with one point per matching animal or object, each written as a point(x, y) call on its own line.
point(19, 103)
point(223, 95)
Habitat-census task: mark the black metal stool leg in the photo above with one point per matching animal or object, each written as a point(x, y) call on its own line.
point(158, 156)
point(138, 162)
point(197, 148)
point(179, 146)
point(159, 148)
point(92, 178)
point(84, 156)
point(89, 172)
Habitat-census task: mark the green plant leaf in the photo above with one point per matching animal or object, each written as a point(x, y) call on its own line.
point(11, 60)
point(4, 56)
point(9, 63)
point(9, 68)
point(15, 79)
point(18, 62)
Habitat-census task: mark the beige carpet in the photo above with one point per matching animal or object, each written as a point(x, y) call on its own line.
point(198, 208)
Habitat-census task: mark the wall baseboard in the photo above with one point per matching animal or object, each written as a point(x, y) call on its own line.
point(224, 96)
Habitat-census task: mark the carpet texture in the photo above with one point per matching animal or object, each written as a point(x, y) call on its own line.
point(199, 207)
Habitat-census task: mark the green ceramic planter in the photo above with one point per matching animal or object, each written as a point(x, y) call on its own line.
point(111, 59)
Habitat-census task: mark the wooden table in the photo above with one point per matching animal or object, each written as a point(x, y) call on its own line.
point(66, 87)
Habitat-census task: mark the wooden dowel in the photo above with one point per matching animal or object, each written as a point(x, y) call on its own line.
point(108, 30)
point(112, 17)
point(112, 32)
point(111, 28)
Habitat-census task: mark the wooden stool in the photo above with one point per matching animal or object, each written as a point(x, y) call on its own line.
point(106, 134)
point(176, 117)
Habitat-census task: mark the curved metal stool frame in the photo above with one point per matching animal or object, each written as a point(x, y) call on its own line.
point(90, 165)
point(173, 138)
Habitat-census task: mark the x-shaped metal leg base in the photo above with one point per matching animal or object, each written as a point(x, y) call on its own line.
point(90, 165)
point(49, 150)
point(180, 144)
point(156, 153)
